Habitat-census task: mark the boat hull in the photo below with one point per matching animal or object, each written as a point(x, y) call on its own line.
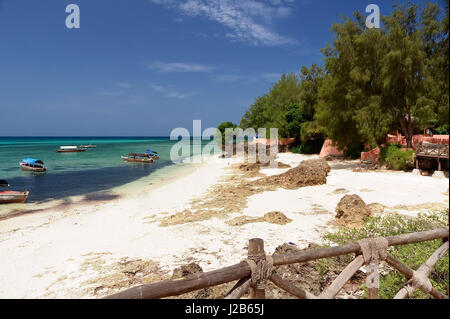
point(137, 160)
point(9, 197)
point(32, 169)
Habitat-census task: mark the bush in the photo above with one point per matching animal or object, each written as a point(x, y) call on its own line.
point(311, 146)
point(220, 132)
point(295, 148)
point(443, 129)
point(354, 151)
point(396, 157)
point(412, 255)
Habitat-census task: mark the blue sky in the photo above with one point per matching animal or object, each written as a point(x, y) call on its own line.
point(144, 67)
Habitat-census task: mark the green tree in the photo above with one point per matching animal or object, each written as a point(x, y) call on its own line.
point(294, 119)
point(340, 90)
point(382, 79)
point(406, 72)
point(310, 81)
point(289, 106)
point(373, 81)
point(255, 117)
point(269, 110)
point(220, 132)
point(435, 38)
point(280, 97)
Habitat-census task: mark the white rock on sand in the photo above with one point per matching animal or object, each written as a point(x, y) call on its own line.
point(44, 256)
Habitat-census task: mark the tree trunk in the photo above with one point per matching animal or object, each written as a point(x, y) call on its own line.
point(404, 125)
point(409, 131)
point(409, 121)
point(409, 135)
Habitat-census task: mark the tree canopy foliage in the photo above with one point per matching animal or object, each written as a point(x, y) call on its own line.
point(288, 106)
point(373, 81)
point(220, 135)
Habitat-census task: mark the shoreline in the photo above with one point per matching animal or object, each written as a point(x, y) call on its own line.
point(157, 178)
point(59, 223)
point(58, 253)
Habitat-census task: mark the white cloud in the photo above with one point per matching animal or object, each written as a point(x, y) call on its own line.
point(179, 67)
point(248, 20)
point(169, 92)
point(124, 85)
point(157, 87)
point(284, 12)
point(178, 95)
point(241, 78)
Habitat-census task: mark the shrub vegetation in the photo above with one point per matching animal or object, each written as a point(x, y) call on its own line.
point(412, 255)
point(396, 157)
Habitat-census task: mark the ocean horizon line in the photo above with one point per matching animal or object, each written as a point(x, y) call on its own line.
point(81, 136)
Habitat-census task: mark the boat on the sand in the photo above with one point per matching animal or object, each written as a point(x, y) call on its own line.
point(32, 164)
point(10, 196)
point(68, 149)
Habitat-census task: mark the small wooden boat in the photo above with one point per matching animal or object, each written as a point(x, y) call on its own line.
point(9, 196)
point(31, 164)
point(152, 154)
point(68, 149)
point(138, 158)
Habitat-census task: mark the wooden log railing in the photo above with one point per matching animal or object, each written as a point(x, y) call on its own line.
point(431, 151)
point(254, 277)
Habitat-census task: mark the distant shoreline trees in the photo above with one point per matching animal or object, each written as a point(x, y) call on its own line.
point(373, 81)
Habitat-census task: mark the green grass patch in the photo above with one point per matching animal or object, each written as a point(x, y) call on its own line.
point(412, 255)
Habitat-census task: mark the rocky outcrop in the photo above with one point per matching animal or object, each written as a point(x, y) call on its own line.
point(308, 173)
point(186, 270)
point(352, 212)
point(255, 167)
point(272, 217)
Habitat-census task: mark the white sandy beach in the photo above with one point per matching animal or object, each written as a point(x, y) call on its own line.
point(59, 252)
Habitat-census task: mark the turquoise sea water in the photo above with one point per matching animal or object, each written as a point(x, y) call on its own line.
point(72, 174)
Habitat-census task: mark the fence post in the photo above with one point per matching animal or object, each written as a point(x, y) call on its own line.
point(372, 281)
point(373, 293)
point(257, 254)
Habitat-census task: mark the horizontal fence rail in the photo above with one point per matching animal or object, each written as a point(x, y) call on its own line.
point(254, 272)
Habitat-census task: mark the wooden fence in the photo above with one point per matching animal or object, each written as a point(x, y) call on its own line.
point(254, 271)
